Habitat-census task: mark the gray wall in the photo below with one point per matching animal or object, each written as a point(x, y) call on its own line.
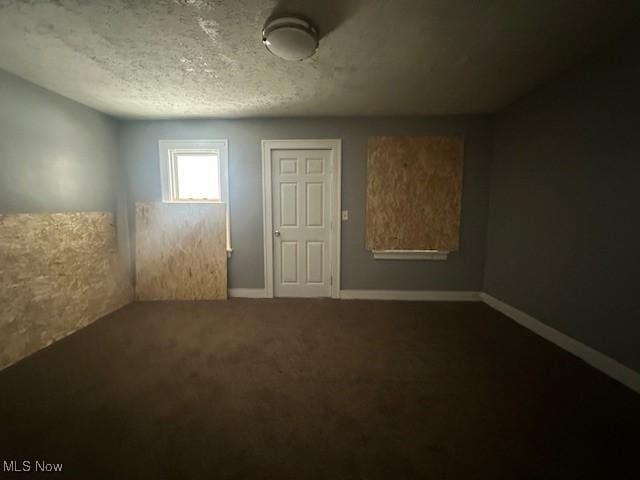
point(462, 271)
point(57, 155)
point(563, 234)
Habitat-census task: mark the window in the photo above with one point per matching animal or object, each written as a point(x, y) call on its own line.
point(195, 176)
point(195, 171)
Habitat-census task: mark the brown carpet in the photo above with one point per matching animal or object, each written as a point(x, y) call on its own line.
point(306, 389)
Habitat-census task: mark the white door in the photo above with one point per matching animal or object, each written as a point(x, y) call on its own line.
point(301, 189)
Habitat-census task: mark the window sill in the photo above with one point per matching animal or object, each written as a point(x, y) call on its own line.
point(192, 201)
point(410, 255)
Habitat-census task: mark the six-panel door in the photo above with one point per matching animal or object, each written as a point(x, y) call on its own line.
point(301, 222)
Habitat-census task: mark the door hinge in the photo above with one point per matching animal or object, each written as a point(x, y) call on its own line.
point(331, 280)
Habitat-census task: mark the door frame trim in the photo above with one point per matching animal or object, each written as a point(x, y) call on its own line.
point(335, 146)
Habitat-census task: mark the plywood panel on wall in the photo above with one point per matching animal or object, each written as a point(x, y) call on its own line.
point(58, 273)
point(414, 190)
point(181, 251)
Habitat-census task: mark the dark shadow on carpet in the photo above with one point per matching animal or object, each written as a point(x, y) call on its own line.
point(315, 389)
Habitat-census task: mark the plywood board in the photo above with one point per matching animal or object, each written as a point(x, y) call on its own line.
point(414, 193)
point(58, 273)
point(181, 251)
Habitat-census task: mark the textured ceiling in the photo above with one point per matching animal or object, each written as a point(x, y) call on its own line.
point(191, 58)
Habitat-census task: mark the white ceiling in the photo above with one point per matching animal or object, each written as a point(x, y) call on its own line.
point(195, 58)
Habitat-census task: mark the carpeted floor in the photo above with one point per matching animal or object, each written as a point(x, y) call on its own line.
point(315, 389)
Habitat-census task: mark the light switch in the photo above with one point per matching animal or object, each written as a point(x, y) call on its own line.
point(345, 215)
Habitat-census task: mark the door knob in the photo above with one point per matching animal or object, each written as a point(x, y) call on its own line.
point(277, 233)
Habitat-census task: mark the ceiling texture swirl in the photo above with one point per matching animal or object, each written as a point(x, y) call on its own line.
point(205, 58)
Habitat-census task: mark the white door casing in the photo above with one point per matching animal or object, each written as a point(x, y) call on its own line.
point(301, 199)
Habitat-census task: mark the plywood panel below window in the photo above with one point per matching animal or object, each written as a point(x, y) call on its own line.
point(181, 251)
point(414, 190)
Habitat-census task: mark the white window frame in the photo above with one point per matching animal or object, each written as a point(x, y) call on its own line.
point(174, 154)
point(168, 148)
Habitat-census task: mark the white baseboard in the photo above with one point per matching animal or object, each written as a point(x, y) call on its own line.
point(596, 359)
point(247, 293)
point(415, 295)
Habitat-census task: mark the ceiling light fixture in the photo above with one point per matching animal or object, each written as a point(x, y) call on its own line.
point(291, 38)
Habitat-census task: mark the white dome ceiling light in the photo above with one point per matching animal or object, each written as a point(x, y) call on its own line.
point(291, 38)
